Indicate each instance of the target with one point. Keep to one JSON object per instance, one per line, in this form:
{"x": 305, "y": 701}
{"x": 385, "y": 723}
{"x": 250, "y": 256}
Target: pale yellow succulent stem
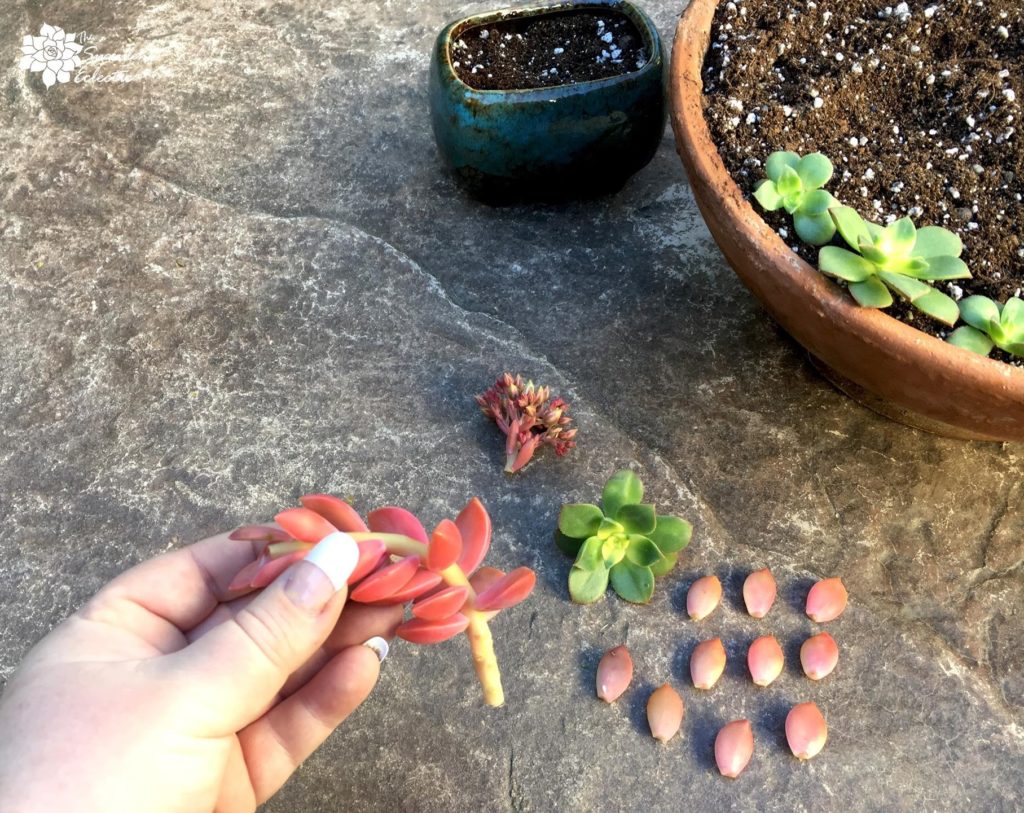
{"x": 481, "y": 643}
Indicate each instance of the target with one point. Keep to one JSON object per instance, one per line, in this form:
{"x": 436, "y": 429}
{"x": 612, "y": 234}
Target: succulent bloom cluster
{"x": 529, "y": 417}
{"x": 806, "y": 729}
{"x": 439, "y": 573}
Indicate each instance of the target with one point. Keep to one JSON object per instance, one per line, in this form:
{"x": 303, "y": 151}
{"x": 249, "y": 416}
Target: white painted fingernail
{"x": 336, "y": 555}
{"x": 379, "y": 646}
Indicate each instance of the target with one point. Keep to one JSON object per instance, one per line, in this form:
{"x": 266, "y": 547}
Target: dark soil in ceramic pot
{"x": 888, "y": 365}
{"x": 553, "y": 101}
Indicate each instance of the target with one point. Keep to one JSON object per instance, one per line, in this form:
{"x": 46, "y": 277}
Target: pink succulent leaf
{"x": 258, "y": 533}
{"x": 391, "y": 520}
{"x": 304, "y": 524}
{"x": 474, "y": 524}
{"x": 445, "y": 545}
{"x": 422, "y": 582}
{"x": 275, "y": 567}
{"x": 419, "y": 631}
{"x": 386, "y": 581}
{"x": 440, "y": 604}
{"x": 371, "y": 552}
{"x": 337, "y": 512}
{"x": 482, "y": 580}
{"x": 507, "y": 591}
{"x": 243, "y": 579}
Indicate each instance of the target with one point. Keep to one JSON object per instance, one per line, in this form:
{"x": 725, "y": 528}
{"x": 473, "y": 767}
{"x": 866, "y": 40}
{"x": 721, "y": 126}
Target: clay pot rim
{"x": 694, "y": 137}
{"x": 652, "y": 41}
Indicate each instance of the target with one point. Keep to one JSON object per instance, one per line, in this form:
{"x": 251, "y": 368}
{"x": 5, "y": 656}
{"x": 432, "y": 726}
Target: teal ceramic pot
{"x": 571, "y": 140}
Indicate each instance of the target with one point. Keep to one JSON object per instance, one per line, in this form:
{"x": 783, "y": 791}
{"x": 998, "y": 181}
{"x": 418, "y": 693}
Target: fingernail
{"x": 314, "y": 581}
{"x": 379, "y": 646}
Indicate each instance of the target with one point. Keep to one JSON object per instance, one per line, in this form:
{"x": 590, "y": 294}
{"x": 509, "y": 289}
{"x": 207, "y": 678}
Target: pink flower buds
{"x": 734, "y": 746}
{"x": 765, "y": 660}
{"x": 759, "y": 592}
{"x": 806, "y": 730}
{"x": 665, "y": 712}
{"x": 707, "y": 663}
{"x": 704, "y": 595}
{"x": 827, "y": 600}
{"x": 819, "y": 655}
{"x": 614, "y": 673}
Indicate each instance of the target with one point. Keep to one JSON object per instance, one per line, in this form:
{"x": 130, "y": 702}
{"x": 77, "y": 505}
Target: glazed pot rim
{"x": 935, "y": 363}
{"x": 652, "y": 41}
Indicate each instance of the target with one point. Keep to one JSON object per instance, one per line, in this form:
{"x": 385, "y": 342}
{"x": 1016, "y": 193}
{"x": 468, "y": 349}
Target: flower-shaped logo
{"x": 53, "y": 52}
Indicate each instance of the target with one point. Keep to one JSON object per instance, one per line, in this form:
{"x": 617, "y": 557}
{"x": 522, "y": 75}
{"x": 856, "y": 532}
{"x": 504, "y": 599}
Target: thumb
{"x": 231, "y": 674}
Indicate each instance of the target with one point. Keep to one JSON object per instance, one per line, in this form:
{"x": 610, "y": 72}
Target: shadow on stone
{"x": 704, "y": 729}
{"x": 794, "y": 594}
{"x": 587, "y": 660}
{"x": 769, "y": 721}
{"x": 637, "y": 707}
{"x": 791, "y": 649}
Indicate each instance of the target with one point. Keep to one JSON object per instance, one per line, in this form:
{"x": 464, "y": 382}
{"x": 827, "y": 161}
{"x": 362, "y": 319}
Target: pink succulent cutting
{"x": 528, "y": 417}
{"x": 399, "y": 562}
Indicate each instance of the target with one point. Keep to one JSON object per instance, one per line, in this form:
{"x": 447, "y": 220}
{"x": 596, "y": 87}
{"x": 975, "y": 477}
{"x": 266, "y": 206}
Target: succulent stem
{"x": 479, "y": 633}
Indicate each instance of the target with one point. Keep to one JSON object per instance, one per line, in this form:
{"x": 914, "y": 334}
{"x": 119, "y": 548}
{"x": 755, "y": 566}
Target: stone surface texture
{"x": 240, "y": 275}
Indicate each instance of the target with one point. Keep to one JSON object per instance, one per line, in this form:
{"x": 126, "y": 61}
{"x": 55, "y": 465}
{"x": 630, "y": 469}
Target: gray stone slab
{"x": 241, "y": 275}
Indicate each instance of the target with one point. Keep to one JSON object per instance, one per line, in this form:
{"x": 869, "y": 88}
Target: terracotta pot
{"x": 882, "y": 362}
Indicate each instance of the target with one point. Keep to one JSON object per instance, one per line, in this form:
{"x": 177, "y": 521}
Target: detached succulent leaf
{"x": 634, "y": 583}
{"x": 580, "y": 520}
{"x": 622, "y": 488}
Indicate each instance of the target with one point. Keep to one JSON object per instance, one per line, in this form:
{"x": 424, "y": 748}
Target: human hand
{"x": 166, "y": 693}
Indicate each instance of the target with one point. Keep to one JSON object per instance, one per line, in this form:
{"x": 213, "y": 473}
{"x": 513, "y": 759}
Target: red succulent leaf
{"x": 243, "y": 579}
{"x": 258, "y": 533}
{"x": 391, "y": 520}
{"x": 445, "y": 545}
{"x": 419, "y": 584}
{"x": 420, "y": 631}
{"x": 371, "y": 552}
{"x": 386, "y": 581}
{"x": 507, "y": 591}
{"x": 441, "y": 604}
{"x": 483, "y": 579}
{"x": 275, "y": 567}
{"x": 474, "y": 523}
{"x": 304, "y": 524}
{"x": 337, "y": 512}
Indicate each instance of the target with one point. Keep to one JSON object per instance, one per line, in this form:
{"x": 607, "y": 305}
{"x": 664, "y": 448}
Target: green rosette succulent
{"x": 795, "y": 184}
{"x": 898, "y": 257}
{"x": 990, "y": 324}
{"x": 623, "y": 542}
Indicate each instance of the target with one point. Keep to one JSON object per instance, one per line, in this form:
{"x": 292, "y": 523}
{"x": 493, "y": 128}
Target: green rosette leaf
{"x": 580, "y": 520}
{"x": 642, "y": 551}
{"x": 664, "y": 566}
{"x": 671, "y": 534}
{"x": 970, "y": 338}
{"x": 591, "y": 555}
{"x": 637, "y": 519}
{"x": 632, "y": 582}
{"x": 566, "y": 544}
{"x": 622, "y": 488}
{"x": 587, "y": 586}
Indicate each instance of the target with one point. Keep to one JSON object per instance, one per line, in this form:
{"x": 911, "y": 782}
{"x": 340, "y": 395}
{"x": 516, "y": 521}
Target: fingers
{"x": 277, "y": 743}
{"x": 172, "y": 593}
{"x": 229, "y": 675}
